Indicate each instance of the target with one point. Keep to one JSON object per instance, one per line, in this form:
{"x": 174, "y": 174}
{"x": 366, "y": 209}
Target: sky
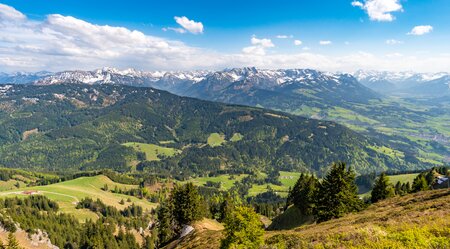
{"x": 329, "y": 35}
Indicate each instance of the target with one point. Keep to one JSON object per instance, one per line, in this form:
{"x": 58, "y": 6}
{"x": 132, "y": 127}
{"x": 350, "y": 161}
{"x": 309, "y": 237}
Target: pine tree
{"x": 165, "y": 223}
{"x": 338, "y": 194}
{"x": 420, "y": 184}
{"x": 304, "y": 194}
{"x": 399, "y": 188}
{"x": 382, "y": 189}
{"x": 243, "y": 229}
{"x": 12, "y": 242}
{"x": 407, "y": 188}
{"x": 187, "y": 204}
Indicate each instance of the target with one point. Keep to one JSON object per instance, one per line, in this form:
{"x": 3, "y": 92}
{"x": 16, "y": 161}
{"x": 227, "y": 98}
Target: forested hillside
{"x": 76, "y": 126}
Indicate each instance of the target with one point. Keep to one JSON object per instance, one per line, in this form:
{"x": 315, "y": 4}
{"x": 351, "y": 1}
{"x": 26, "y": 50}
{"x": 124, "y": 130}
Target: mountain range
{"x": 408, "y": 124}
{"x": 408, "y": 84}
{"x": 397, "y": 83}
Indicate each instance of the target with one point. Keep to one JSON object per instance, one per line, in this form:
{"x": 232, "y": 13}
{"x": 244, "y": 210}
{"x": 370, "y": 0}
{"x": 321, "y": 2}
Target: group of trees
{"x": 188, "y": 204}
{"x": 63, "y": 230}
{"x": 183, "y": 207}
{"x": 333, "y": 197}
{"x": 383, "y": 189}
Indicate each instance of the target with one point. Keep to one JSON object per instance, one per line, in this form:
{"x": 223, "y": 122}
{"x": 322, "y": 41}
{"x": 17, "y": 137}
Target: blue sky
{"x": 335, "y": 35}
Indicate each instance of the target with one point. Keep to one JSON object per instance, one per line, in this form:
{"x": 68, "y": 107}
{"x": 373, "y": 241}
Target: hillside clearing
{"x": 68, "y": 193}
{"x": 404, "y": 178}
{"x": 153, "y": 152}
{"x": 216, "y": 139}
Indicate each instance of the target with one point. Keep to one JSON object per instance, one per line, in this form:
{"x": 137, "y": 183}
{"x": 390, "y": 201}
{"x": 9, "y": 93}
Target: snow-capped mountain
{"x": 127, "y": 77}
{"x": 248, "y": 85}
{"x": 404, "y": 83}
{"x": 22, "y": 77}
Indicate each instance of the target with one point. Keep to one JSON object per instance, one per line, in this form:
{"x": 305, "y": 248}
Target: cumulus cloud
{"x": 259, "y": 46}
{"x": 190, "y": 25}
{"x": 8, "y": 13}
{"x": 393, "y": 42}
{"x": 66, "y": 43}
{"x": 324, "y": 43}
{"x": 62, "y": 42}
{"x": 421, "y": 30}
{"x": 379, "y": 10}
{"x": 298, "y": 42}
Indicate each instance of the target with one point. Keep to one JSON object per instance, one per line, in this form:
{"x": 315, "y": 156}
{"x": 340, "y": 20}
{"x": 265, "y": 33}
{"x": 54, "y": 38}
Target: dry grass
{"x": 24, "y": 241}
{"x": 419, "y": 220}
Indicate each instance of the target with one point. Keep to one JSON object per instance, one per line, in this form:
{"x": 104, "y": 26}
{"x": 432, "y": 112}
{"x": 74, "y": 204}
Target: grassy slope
{"x": 216, "y": 139}
{"x": 287, "y": 179}
{"x": 236, "y": 137}
{"x": 68, "y": 193}
{"x": 403, "y": 178}
{"x": 225, "y": 180}
{"x": 419, "y": 220}
{"x": 152, "y": 151}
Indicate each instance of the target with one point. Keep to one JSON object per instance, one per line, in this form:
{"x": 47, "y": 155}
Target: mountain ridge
{"x": 83, "y": 127}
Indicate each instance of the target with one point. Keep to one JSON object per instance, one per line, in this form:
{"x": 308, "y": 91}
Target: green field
{"x": 68, "y": 193}
{"x": 403, "y": 178}
{"x": 227, "y": 181}
{"x": 388, "y": 151}
{"x": 288, "y": 179}
{"x": 216, "y": 139}
{"x": 258, "y": 189}
{"x": 236, "y": 137}
{"x": 153, "y": 151}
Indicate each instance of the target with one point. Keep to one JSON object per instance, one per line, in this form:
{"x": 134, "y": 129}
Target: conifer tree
{"x": 419, "y": 184}
{"x": 399, "y": 188}
{"x": 12, "y": 242}
{"x": 304, "y": 193}
{"x": 338, "y": 193}
{"x": 382, "y": 189}
{"x": 407, "y": 188}
{"x": 187, "y": 204}
{"x": 165, "y": 224}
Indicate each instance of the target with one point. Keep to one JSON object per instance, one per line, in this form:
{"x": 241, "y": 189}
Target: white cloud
{"x": 66, "y": 43}
{"x": 190, "y": 25}
{"x": 379, "y": 10}
{"x": 284, "y": 36}
{"x": 8, "y": 13}
{"x": 259, "y": 46}
{"x": 393, "y": 42}
{"x": 265, "y": 43}
{"x": 421, "y": 30}
{"x": 357, "y": 4}
{"x": 298, "y": 42}
{"x": 306, "y": 48}
{"x": 324, "y": 43}
{"x": 63, "y": 42}
{"x": 177, "y": 30}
